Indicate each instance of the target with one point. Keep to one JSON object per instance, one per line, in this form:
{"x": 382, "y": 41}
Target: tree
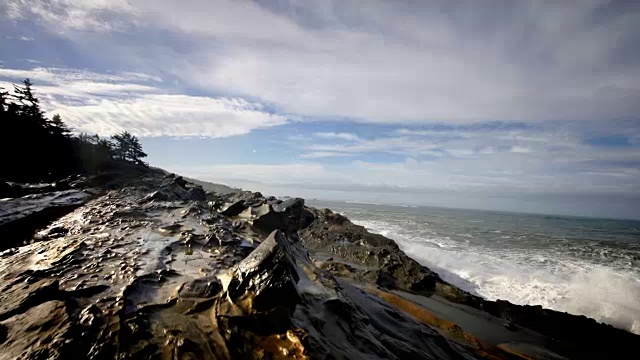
{"x": 127, "y": 147}
{"x": 57, "y": 127}
{"x": 4, "y": 96}
{"x": 36, "y": 148}
{"x": 29, "y": 104}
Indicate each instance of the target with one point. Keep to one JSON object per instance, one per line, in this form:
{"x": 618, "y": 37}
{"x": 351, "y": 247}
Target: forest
{"x": 36, "y": 148}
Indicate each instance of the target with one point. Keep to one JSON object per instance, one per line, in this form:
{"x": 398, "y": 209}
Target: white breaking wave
{"x": 532, "y": 277}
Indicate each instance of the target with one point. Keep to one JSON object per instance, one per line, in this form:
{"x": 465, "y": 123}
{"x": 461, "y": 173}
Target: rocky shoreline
{"x": 150, "y": 266}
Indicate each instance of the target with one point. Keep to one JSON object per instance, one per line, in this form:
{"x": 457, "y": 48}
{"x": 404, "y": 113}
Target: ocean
{"x": 582, "y": 266}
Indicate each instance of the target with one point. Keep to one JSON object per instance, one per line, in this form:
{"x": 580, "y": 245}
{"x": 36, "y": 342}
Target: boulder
{"x": 288, "y": 216}
{"x": 266, "y": 279}
{"x": 380, "y": 256}
{"x": 177, "y": 190}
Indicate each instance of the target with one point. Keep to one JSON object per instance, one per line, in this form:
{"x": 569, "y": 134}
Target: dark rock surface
{"x": 152, "y": 267}
{"x": 380, "y": 258}
{"x": 350, "y": 251}
{"x": 21, "y": 216}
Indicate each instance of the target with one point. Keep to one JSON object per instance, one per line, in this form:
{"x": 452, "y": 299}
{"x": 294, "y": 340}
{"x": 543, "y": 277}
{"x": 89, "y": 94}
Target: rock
{"x": 149, "y": 270}
{"x": 233, "y": 209}
{"x": 288, "y": 216}
{"x": 23, "y": 293}
{"x": 205, "y": 287}
{"x": 180, "y": 181}
{"x": 196, "y": 193}
{"x": 390, "y": 267}
{"x": 8, "y": 190}
{"x": 88, "y": 315}
{"x": 250, "y": 198}
{"x": 267, "y": 278}
{"x": 41, "y": 332}
{"x": 20, "y": 218}
{"x": 177, "y": 190}
{"x": 262, "y": 295}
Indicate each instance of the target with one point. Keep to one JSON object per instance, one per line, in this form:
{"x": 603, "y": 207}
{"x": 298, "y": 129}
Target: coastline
{"x": 258, "y": 275}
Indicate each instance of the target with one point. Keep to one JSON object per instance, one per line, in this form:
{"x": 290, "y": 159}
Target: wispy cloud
{"x": 89, "y": 15}
{"x": 338, "y": 136}
{"x": 105, "y": 104}
{"x": 169, "y": 115}
{"x": 394, "y": 62}
{"x": 520, "y": 149}
{"x": 19, "y": 38}
{"x": 322, "y": 154}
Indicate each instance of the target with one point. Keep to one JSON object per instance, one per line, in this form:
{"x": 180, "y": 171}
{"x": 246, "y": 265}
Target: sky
{"x": 529, "y": 106}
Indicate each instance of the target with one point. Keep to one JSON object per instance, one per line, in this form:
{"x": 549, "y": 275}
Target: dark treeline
{"x": 35, "y": 148}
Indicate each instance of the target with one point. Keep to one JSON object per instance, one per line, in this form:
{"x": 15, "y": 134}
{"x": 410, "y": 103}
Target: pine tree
{"x": 57, "y": 127}
{"x": 4, "y": 97}
{"x": 35, "y": 148}
{"x": 127, "y": 147}
{"x": 29, "y": 103}
{"x": 136, "y": 153}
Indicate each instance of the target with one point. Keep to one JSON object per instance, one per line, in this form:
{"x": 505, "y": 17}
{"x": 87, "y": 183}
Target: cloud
{"x": 172, "y": 115}
{"x": 90, "y": 15}
{"x": 550, "y": 156}
{"x": 19, "y": 38}
{"x": 263, "y": 173}
{"x": 421, "y": 177}
{"x": 520, "y": 149}
{"x": 321, "y": 154}
{"x": 108, "y": 103}
{"x": 66, "y": 77}
{"x": 338, "y": 136}
{"x": 393, "y": 62}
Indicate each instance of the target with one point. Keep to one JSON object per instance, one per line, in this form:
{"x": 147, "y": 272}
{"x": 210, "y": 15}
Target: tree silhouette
{"x": 127, "y": 147}
{"x": 57, "y": 126}
{"x": 35, "y": 148}
{"x": 4, "y": 97}
{"x": 29, "y": 104}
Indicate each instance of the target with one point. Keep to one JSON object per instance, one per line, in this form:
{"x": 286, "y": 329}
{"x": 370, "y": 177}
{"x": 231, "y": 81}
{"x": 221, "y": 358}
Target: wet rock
{"x": 249, "y": 198}
{"x": 288, "y": 216}
{"x": 205, "y": 287}
{"x": 196, "y": 193}
{"x": 234, "y": 208}
{"x": 256, "y": 318}
{"x": 267, "y": 278}
{"x": 20, "y": 218}
{"x": 22, "y": 293}
{"x": 352, "y": 324}
{"x": 389, "y": 266}
{"x": 177, "y": 190}
{"x": 41, "y": 332}
{"x": 88, "y": 315}
{"x": 171, "y": 229}
{"x": 52, "y": 232}
{"x": 147, "y": 270}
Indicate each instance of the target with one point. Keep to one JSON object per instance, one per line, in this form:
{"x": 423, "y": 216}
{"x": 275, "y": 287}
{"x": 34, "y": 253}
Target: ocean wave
{"x": 547, "y": 277}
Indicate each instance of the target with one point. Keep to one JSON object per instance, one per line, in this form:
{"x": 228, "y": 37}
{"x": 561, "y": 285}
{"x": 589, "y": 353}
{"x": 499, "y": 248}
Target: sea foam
{"x": 533, "y": 277}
